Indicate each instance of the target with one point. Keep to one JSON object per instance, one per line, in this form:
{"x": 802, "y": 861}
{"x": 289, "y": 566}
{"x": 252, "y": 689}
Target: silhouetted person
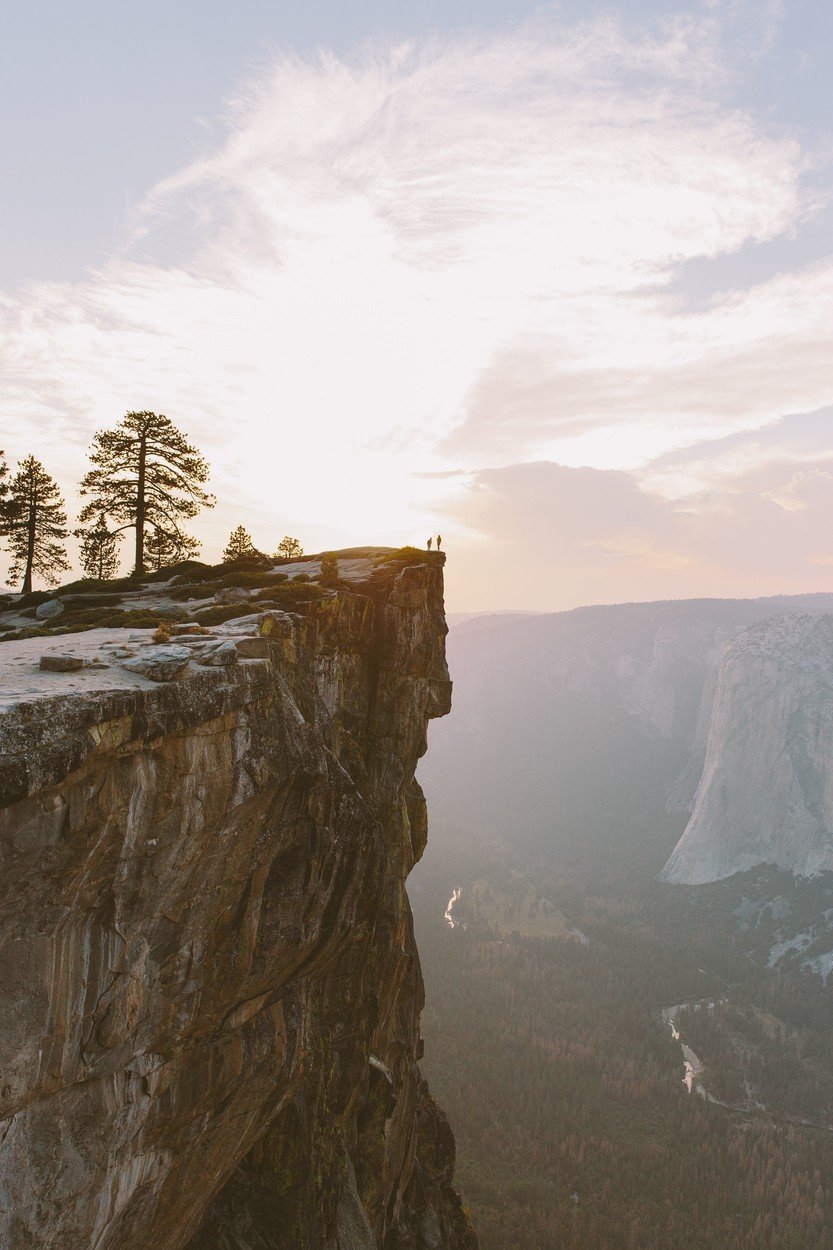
{"x": 430, "y": 540}
{"x": 439, "y": 542}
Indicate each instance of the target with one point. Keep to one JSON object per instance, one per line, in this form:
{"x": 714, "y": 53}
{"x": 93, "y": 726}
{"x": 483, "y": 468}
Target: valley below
{"x": 630, "y": 1060}
{"x": 655, "y": 1085}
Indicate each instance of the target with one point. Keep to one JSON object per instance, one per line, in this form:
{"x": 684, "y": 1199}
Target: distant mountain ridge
{"x": 584, "y": 733}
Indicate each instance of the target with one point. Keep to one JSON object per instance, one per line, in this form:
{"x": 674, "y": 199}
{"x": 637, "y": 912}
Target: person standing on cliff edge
{"x": 439, "y": 542}
{"x": 428, "y": 544}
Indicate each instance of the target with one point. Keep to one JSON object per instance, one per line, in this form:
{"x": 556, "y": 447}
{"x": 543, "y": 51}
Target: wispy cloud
{"x": 457, "y": 252}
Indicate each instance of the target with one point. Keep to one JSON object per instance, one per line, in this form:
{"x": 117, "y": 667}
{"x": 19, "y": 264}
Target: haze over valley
{"x": 597, "y": 762}
{"x": 416, "y": 625}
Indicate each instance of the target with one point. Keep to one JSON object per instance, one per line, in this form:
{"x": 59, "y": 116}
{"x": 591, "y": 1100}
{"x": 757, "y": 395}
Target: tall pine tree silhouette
{"x": 35, "y": 525}
{"x": 239, "y": 544}
{"x": 4, "y": 491}
{"x": 162, "y": 548}
{"x": 99, "y": 554}
{"x": 146, "y": 476}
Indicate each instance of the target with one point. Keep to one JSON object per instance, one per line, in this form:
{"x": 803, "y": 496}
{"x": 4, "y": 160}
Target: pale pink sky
{"x": 543, "y": 288}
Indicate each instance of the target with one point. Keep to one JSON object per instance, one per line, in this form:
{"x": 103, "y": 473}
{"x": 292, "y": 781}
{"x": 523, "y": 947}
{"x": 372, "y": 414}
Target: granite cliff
{"x": 582, "y": 736}
{"x": 766, "y": 793}
{"x": 210, "y": 987}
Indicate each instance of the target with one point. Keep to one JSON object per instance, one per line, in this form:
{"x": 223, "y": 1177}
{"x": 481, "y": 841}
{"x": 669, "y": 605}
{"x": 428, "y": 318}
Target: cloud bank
{"x": 558, "y": 535}
{"x": 460, "y": 254}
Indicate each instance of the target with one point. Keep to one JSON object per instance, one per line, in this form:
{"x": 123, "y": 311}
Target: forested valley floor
{"x": 563, "y": 1082}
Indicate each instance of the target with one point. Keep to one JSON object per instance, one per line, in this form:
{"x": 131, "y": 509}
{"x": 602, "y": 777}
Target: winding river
{"x": 693, "y": 1065}
{"x": 456, "y": 893}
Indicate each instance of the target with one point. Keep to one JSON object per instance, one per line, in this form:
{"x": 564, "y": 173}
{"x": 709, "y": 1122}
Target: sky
{"x": 553, "y": 280}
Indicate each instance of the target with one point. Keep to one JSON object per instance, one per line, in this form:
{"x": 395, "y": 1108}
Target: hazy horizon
{"x": 554, "y": 281}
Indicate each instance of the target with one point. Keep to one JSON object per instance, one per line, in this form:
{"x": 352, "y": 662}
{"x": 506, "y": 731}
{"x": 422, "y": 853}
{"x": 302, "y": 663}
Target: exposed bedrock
{"x": 766, "y": 794}
{"x": 210, "y": 988}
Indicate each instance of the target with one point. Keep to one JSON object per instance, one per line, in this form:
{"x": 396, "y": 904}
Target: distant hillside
{"x": 583, "y": 734}
{"x": 766, "y": 793}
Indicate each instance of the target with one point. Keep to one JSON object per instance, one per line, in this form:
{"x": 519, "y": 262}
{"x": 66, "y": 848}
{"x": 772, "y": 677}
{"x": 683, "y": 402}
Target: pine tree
{"x": 239, "y": 544}
{"x": 289, "y": 547}
{"x": 146, "y": 475}
{"x": 99, "y": 554}
{"x": 35, "y": 525}
{"x": 329, "y": 568}
{"x": 162, "y": 548}
{"x": 4, "y": 490}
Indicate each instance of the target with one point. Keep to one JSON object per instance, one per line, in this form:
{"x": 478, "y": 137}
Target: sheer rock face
{"x": 205, "y": 937}
{"x": 766, "y": 794}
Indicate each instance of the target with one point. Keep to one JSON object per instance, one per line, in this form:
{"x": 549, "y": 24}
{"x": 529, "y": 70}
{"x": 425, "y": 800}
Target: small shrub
{"x": 194, "y": 590}
{"x": 114, "y": 618}
{"x": 109, "y": 620}
{"x": 34, "y": 598}
{"x": 77, "y": 602}
{"x": 92, "y": 585}
{"x": 329, "y": 566}
{"x": 222, "y": 612}
{"x": 27, "y": 631}
{"x": 245, "y": 581}
{"x": 162, "y": 633}
{"x": 183, "y": 568}
{"x": 292, "y": 593}
{"x": 253, "y": 560}
{"x": 411, "y": 555}
{"x": 207, "y": 573}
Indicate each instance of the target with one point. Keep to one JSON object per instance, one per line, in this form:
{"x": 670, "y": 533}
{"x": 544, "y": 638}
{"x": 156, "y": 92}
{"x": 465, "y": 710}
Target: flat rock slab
{"x": 61, "y": 663}
{"x": 159, "y": 663}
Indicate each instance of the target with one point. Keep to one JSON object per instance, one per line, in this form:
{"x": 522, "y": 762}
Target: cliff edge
{"x": 211, "y": 991}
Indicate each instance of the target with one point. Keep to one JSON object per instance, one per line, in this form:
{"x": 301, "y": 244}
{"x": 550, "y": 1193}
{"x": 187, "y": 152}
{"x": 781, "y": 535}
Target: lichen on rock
{"x": 205, "y": 937}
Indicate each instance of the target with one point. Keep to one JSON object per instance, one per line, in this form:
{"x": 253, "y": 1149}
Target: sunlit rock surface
{"x": 766, "y": 794}
{"x": 210, "y": 988}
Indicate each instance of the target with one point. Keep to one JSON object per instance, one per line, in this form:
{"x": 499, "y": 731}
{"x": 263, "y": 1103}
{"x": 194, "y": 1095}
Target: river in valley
{"x": 453, "y": 923}
{"x": 693, "y": 1065}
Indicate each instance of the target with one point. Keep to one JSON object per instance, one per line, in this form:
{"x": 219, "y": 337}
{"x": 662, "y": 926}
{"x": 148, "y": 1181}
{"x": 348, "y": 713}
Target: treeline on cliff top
{"x": 145, "y": 477}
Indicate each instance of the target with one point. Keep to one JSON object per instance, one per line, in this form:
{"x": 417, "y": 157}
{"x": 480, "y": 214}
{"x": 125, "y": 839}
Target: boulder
{"x": 231, "y": 594}
{"x": 220, "y": 657}
{"x": 61, "y": 663}
{"x": 162, "y": 663}
{"x": 49, "y": 610}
